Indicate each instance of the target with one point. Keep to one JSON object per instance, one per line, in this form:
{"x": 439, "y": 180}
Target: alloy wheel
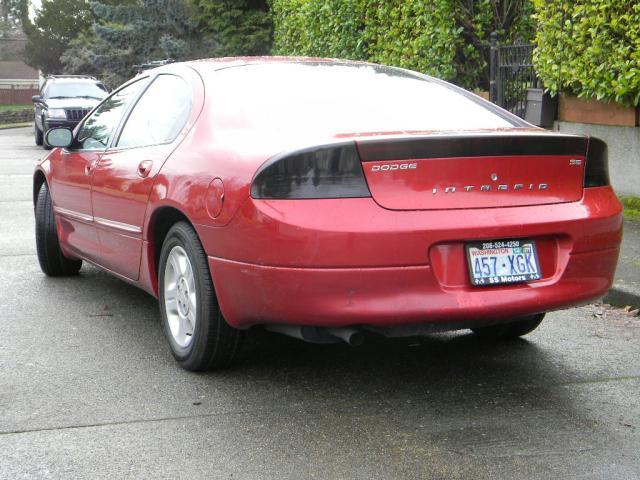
{"x": 180, "y": 296}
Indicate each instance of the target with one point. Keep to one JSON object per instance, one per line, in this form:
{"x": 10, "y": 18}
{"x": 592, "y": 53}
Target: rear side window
{"x": 159, "y": 115}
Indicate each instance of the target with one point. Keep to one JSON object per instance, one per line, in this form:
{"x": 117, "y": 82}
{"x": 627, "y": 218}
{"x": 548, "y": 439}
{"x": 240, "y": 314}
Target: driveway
{"x": 88, "y": 388}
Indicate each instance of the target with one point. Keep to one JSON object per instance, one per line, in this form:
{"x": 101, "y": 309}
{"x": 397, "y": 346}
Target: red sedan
{"x": 322, "y": 198}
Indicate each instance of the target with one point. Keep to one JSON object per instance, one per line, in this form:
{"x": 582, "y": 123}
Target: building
{"x": 18, "y": 82}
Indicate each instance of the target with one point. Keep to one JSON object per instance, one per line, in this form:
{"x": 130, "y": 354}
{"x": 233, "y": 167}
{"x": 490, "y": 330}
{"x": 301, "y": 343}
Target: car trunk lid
{"x": 474, "y": 171}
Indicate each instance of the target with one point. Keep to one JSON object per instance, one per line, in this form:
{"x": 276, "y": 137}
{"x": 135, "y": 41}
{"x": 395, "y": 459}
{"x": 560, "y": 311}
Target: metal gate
{"x": 511, "y": 74}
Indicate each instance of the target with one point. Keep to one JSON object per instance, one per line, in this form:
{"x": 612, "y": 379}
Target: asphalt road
{"x": 88, "y": 388}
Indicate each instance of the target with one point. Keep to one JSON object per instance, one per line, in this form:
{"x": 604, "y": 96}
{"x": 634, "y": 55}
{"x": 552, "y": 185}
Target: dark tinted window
{"x": 159, "y": 115}
{"x": 98, "y": 128}
{"x": 76, "y": 89}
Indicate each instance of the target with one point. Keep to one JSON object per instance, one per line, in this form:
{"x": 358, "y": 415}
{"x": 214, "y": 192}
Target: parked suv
{"x": 64, "y": 100}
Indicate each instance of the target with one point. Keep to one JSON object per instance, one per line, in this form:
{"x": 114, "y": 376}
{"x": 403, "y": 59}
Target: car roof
{"x": 207, "y": 65}
{"x": 72, "y": 79}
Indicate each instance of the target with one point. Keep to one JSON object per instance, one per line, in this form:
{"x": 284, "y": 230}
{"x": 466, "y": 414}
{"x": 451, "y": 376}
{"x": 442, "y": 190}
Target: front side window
{"x": 159, "y": 115}
{"x": 98, "y": 128}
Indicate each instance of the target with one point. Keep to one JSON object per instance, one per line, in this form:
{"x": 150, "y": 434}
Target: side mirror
{"x": 36, "y": 98}
{"x": 59, "y": 137}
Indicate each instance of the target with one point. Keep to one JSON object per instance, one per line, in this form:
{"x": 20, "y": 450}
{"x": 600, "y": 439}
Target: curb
{"x": 622, "y": 296}
{"x": 15, "y": 125}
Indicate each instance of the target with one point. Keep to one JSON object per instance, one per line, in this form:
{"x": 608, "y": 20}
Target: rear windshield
{"x": 337, "y": 98}
{"x": 76, "y": 89}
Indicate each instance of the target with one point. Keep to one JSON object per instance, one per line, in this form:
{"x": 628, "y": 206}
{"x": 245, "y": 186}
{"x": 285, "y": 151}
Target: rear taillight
{"x": 322, "y": 172}
{"x": 596, "y": 171}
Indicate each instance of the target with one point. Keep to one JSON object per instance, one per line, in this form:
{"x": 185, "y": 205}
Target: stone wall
{"x": 18, "y": 116}
{"x": 624, "y": 152}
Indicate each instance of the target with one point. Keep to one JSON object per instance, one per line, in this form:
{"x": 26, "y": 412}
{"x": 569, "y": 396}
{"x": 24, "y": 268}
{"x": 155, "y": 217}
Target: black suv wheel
{"x": 39, "y": 135}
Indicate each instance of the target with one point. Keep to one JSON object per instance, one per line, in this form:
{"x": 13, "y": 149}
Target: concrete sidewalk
{"x": 626, "y": 288}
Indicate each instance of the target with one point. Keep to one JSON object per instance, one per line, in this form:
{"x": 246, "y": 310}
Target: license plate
{"x": 497, "y": 262}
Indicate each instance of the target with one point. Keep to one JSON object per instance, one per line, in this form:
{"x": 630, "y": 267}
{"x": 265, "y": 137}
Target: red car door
{"x": 70, "y": 184}
{"x": 72, "y": 171}
{"x": 125, "y": 174}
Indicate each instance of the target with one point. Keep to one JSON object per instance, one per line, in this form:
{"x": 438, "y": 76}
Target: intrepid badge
{"x": 488, "y": 188}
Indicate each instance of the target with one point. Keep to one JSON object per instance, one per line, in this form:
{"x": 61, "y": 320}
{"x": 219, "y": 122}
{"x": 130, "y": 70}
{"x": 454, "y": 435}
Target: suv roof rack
{"x": 88, "y": 77}
{"x": 152, "y": 64}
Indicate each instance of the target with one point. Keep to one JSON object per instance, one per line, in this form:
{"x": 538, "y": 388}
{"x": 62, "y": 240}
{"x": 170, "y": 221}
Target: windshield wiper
{"x": 76, "y": 96}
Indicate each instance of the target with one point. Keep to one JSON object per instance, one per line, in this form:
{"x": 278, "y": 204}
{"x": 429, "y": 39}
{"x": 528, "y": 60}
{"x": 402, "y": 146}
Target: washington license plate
{"x": 497, "y": 262}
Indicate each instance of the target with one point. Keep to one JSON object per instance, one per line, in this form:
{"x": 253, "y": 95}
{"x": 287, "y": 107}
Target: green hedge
{"x": 394, "y": 32}
{"x": 422, "y": 36}
{"x": 328, "y": 28}
{"x": 445, "y": 38}
{"x": 590, "y": 48}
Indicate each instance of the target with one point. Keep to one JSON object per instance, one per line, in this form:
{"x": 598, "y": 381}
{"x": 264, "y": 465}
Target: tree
{"x": 12, "y": 38}
{"x": 237, "y": 27}
{"x": 56, "y": 24}
{"x": 136, "y": 32}
{"x": 511, "y": 19}
{"x": 11, "y": 13}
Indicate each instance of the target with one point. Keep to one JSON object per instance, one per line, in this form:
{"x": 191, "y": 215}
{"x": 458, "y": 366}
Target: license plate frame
{"x": 501, "y": 249}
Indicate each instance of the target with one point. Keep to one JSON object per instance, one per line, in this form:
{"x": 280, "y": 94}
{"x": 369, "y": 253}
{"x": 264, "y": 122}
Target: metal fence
{"x": 511, "y": 74}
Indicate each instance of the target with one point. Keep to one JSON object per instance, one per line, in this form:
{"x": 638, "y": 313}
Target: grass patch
{"x": 15, "y": 108}
{"x": 631, "y": 208}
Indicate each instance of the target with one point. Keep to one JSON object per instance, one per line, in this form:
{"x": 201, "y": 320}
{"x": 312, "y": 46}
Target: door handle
{"x": 88, "y": 168}
{"x": 144, "y": 168}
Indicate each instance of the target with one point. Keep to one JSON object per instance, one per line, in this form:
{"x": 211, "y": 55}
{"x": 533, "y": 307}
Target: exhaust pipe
{"x": 351, "y": 336}
{"x": 320, "y": 335}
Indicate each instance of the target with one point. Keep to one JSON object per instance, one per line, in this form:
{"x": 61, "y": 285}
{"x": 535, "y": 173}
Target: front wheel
{"x": 512, "y": 329}
{"x": 45, "y": 129}
{"x": 52, "y": 260}
{"x": 39, "y": 136}
{"x": 198, "y": 335}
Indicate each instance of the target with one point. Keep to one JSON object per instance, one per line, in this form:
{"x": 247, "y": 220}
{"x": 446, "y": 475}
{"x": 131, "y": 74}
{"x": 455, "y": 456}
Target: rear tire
{"x": 198, "y": 335}
{"x": 52, "y": 261}
{"x": 39, "y": 136}
{"x": 513, "y": 329}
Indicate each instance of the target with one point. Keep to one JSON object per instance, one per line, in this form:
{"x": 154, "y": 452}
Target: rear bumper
{"x": 387, "y": 268}
{"x": 253, "y": 294}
